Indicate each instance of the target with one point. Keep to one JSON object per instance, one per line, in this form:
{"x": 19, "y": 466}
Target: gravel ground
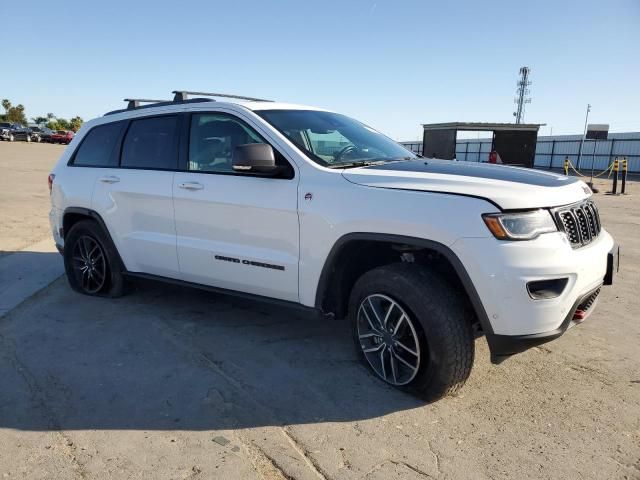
{"x": 171, "y": 383}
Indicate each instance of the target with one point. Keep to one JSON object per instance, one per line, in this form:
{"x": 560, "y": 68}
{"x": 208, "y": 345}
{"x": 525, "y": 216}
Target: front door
{"x": 235, "y": 231}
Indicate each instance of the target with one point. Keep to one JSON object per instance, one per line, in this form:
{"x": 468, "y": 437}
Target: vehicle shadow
{"x": 167, "y": 357}
{"x": 24, "y": 272}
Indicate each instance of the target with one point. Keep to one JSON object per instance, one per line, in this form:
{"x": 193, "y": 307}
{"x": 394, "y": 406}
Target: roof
{"x": 481, "y": 126}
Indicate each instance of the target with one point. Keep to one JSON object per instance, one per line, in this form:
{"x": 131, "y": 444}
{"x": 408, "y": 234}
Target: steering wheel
{"x": 348, "y": 149}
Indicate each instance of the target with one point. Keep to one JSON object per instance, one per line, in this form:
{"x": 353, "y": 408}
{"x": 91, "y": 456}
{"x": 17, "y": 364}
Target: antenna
{"x": 522, "y": 93}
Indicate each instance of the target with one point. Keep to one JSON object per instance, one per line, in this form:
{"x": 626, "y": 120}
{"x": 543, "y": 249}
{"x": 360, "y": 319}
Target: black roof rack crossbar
{"x": 161, "y": 103}
{"x": 182, "y": 95}
{"x": 135, "y": 102}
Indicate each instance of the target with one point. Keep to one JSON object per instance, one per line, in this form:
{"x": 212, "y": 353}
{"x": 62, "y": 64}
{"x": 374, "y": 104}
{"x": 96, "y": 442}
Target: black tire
{"x": 113, "y": 282}
{"x": 441, "y": 326}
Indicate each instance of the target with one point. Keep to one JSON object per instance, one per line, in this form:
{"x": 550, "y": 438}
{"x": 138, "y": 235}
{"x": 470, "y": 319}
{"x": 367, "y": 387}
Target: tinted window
{"x": 150, "y": 143}
{"x": 212, "y": 141}
{"x": 97, "y": 148}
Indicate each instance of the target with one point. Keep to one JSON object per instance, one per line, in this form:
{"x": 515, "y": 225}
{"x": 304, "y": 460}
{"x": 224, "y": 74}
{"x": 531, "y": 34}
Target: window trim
{"x": 186, "y": 138}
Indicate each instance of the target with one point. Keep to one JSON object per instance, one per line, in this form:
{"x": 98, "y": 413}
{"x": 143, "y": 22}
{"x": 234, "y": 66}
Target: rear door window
{"x": 150, "y": 143}
{"x": 98, "y": 146}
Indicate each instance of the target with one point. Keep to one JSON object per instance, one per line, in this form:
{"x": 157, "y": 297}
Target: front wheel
{"x": 91, "y": 261}
{"x": 412, "y": 329}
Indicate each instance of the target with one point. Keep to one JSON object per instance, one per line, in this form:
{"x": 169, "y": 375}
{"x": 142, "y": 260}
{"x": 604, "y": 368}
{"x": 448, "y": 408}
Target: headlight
{"x": 519, "y": 226}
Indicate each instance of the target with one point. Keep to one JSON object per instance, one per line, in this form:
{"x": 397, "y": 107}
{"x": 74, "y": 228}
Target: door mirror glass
{"x": 255, "y": 158}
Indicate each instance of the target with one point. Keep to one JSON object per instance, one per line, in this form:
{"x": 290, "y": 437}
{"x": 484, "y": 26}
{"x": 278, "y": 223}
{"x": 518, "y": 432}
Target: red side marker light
{"x": 579, "y": 316}
{"x": 50, "y": 180}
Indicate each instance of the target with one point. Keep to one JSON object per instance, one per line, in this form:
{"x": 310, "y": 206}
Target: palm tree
{"x": 6, "y": 104}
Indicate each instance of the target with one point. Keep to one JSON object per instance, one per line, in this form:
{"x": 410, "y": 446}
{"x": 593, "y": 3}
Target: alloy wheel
{"x": 388, "y": 339}
{"x": 89, "y": 264}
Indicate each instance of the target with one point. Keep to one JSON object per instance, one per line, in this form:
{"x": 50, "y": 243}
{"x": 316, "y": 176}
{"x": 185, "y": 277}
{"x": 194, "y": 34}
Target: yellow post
{"x": 566, "y": 165}
{"x": 624, "y": 175}
{"x": 614, "y": 190}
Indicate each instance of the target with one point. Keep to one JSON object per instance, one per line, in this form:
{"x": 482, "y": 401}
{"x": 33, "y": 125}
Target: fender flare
{"x": 445, "y": 251}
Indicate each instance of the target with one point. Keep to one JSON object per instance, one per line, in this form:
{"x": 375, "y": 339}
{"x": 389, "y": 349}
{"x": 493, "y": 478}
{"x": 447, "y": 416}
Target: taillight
{"x": 50, "y": 181}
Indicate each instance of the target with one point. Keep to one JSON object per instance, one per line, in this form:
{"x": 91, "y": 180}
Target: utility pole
{"x": 586, "y": 119}
{"x": 522, "y": 93}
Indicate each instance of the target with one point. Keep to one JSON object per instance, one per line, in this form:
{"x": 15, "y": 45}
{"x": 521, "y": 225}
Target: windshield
{"x": 333, "y": 140}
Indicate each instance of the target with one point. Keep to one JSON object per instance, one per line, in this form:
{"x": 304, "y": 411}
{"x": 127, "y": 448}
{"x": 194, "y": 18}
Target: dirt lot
{"x": 24, "y": 195}
{"x": 169, "y": 383}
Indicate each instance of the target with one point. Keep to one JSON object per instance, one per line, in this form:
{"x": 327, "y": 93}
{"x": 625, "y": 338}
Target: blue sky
{"x": 392, "y": 64}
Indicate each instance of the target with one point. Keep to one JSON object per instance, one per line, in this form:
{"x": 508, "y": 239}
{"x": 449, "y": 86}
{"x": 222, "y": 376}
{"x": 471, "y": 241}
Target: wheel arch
{"x": 73, "y": 215}
{"x": 339, "y": 273}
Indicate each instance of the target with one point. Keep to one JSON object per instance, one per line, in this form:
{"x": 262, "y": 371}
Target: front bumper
{"x": 500, "y": 272}
{"x": 503, "y": 346}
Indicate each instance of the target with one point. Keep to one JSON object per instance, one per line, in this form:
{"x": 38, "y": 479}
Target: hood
{"x": 510, "y": 188}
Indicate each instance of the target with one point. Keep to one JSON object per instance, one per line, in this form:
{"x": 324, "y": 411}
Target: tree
{"x": 39, "y": 120}
{"x": 15, "y": 114}
{"x": 76, "y": 123}
{"x": 6, "y": 104}
{"x": 59, "y": 124}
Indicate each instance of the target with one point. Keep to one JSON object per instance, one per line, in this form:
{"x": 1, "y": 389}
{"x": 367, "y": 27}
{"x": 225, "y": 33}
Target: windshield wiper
{"x": 359, "y": 163}
{"x": 367, "y": 163}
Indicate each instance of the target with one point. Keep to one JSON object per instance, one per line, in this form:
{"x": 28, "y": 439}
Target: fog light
{"x": 546, "y": 289}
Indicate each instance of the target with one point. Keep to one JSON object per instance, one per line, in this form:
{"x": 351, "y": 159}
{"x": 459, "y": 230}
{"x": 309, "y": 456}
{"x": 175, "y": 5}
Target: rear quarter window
{"x": 98, "y": 147}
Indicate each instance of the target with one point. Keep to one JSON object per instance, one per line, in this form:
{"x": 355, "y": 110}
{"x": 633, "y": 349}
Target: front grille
{"x": 581, "y": 223}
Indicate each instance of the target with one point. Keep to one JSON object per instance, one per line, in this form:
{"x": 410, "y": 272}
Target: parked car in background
{"x": 27, "y": 134}
{"x": 62, "y": 136}
{"x": 7, "y": 130}
{"x": 45, "y": 134}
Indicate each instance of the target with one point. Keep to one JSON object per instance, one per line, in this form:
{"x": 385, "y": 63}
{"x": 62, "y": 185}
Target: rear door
{"x": 135, "y": 200}
{"x": 234, "y": 230}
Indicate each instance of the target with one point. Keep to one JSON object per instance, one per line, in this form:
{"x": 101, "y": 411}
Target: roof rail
{"x": 182, "y": 95}
{"x": 135, "y": 102}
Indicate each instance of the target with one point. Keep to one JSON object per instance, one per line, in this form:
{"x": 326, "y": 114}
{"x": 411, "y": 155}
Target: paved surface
{"x": 175, "y": 383}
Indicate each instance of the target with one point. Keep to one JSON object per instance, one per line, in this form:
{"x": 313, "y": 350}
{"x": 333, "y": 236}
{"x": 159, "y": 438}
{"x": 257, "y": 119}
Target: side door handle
{"x": 109, "y": 179}
{"x": 191, "y": 186}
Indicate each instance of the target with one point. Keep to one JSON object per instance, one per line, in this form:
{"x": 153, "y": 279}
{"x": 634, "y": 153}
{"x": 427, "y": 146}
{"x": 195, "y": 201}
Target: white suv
{"x": 311, "y": 208}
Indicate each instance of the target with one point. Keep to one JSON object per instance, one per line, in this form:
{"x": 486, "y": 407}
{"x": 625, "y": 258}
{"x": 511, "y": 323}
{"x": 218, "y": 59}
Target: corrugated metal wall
{"x": 551, "y": 151}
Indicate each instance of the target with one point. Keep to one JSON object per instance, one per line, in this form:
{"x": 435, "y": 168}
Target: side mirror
{"x": 255, "y": 158}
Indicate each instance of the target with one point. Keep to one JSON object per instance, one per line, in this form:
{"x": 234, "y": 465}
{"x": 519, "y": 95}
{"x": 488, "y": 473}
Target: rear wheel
{"x": 91, "y": 261}
{"x": 412, "y": 330}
